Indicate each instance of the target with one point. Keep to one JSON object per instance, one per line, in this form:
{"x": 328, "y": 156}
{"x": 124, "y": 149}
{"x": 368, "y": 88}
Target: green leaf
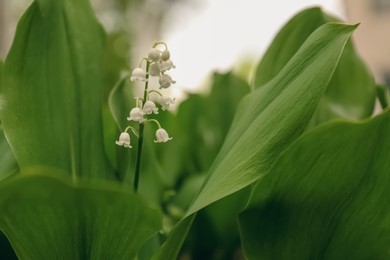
{"x": 327, "y": 197}
{"x": 1, "y": 70}
{"x": 351, "y": 92}
{"x": 119, "y": 102}
{"x": 199, "y": 129}
{"x": 8, "y": 164}
{"x": 119, "y": 105}
{"x": 383, "y": 94}
{"x": 201, "y": 126}
{"x": 46, "y": 216}
{"x": 273, "y": 116}
{"x": 170, "y": 249}
{"x": 286, "y": 43}
{"x": 51, "y": 89}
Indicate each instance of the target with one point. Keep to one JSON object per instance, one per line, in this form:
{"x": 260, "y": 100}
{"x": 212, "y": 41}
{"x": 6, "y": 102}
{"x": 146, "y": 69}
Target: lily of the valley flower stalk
{"x": 158, "y": 63}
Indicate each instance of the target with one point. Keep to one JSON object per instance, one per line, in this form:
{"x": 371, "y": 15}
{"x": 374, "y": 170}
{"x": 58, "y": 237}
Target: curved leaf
{"x": 46, "y": 216}
{"x": 51, "y": 89}
{"x": 201, "y": 125}
{"x": 351, "y": 92}
{"x": 118, "y": 102}
{"x": 271, "y": 117}
{"x": 286, "y": 43}
{"x": 327, "y": 197}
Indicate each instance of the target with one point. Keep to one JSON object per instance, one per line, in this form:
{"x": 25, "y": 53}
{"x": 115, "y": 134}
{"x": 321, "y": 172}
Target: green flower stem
{"x": 141, "y": 136}
{"x": 133, "y": 130}
{"x": 159, "y": 43}
{"x": 155, "y": 91}
{"x": 155, "y": 121}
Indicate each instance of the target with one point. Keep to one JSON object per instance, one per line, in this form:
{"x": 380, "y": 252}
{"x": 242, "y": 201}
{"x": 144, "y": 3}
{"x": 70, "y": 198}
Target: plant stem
{"x": 141, "y": 136}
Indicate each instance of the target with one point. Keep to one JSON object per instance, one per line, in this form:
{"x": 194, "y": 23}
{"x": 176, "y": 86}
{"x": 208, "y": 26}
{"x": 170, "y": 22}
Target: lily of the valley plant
{"x": 290, "y": 165}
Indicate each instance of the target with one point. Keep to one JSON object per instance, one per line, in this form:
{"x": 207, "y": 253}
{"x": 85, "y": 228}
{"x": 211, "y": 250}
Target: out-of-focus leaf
{"x": 1, "y": 69}
{"x": 286, "y": 43}
{"x": 383, "y": 94}
{"x": 199, "y": 129}
{"x": 48, "y": 217}
{"x": 6, "y": 251}
{"x": 327, "y": 197}
{"x": 268, "y": 120}
{"x": 273, "y": 116}
{"x": 8, "y": 164}
{"x": 51, "y": 89}
{"x": 119, "y": 102}
{"x": 351, "y": 92}
{"x": 170, "y": 249}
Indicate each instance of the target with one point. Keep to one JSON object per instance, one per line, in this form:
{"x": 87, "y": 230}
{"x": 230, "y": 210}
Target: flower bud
{"x": 154, "y": 69}
{"x": 154, "y": 54}
{"x": 165, "y": 55}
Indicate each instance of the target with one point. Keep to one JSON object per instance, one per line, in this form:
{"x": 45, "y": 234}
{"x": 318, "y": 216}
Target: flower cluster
{"x": 158, "y": 63}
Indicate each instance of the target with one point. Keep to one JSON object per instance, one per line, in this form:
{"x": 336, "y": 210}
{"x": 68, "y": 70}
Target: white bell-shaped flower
{"x": 167, "y": 65}
{"x": 165, "y": 55}
{"x": 124, "y": 140}
{"x": 138, "y": 74}
{"x": 166, "y": 81}
{"x": 162, "y": 136}
{"x": 154, "y": 69}
{"x": 150, "y": 107}
{"x": 137, "y": 115}
{"x": 154, "y": 54}
{"x": 166, "y": 102}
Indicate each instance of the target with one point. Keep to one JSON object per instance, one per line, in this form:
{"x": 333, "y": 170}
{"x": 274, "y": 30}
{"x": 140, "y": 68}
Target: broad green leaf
{"x": 351, "y": 92}
{"x": 273, "y": 116}
{"x": 46, "y": 216}
{"x": 327, "y": 197}
{"x": 51, "y": 89}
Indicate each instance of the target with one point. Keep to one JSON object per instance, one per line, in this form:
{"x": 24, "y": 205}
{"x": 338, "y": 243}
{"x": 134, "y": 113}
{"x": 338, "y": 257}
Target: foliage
{"x": 306, "y": 187}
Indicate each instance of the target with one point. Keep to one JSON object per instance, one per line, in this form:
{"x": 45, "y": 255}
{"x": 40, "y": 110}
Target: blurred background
{"x": 206, "y": 35}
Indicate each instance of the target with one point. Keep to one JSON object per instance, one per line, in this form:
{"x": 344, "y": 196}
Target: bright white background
{"x": 216, "y": 34}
